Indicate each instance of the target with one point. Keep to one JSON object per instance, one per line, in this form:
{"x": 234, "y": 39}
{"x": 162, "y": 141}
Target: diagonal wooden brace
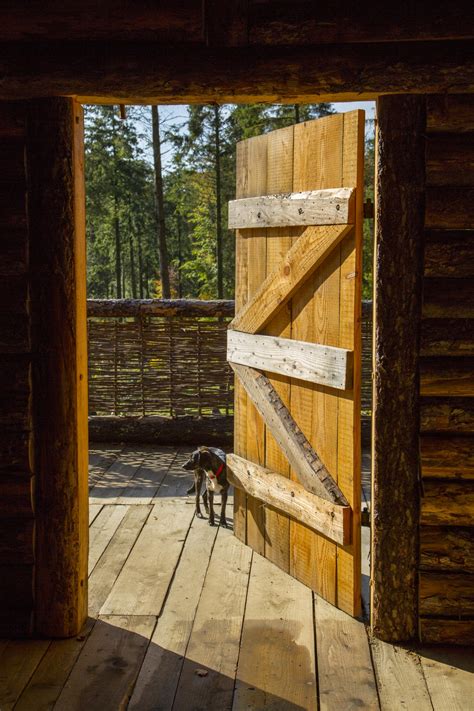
{"x": 307, "y": 465}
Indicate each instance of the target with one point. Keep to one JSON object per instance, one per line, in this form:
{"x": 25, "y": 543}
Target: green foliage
{"x": 368, "y": 243}
{"x": 198, "y": 182}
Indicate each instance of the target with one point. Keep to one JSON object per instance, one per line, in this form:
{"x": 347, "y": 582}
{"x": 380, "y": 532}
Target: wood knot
{"x": 286, "y": 270}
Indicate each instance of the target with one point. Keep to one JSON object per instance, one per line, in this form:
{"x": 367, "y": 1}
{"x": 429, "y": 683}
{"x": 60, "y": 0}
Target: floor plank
{"x": 276, "y": 665}
{"x": 158, "y": 679}
{"x": 100, "y": 460}
{"x": 149, "y": 477}
{"x": 108, "y": 568}
{"x": 108, "y": 665}
{"x": 177, "y": 481}
{"x": 144, "y": 580}
{"x": 113, "y": 482}
{"x": 94, "y": 511}
{"x": 449, "y": 674}
{"x": 18, "y": 662}
{"x": 345, "y": 673}
{"x": 46, "y": 684}
{"x": 102, "y": 530}
{"x": 400, "y": 679}
{"x": 207, "y": 679}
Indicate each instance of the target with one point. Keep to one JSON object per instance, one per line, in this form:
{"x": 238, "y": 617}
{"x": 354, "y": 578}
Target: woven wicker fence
{"x": 150, "y": 358}
{"x": 157, "y": 357}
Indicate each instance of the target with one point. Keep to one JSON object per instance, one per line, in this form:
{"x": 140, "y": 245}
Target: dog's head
{"x": 201, "y": 458}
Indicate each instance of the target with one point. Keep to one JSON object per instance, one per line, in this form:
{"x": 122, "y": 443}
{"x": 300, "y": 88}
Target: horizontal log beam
{"x": 447, "y": 548}
{"x": 447, "y": 376}
{"x": 447, "y": 337}
{"x": 447, "y": 503}
{"x": 449, "y": 253}
{"x": 313, "y": 207}
{"x": 311, "y": 362}
{"x": 159, "y": 307}
{"x": 439, "y": 414}
{"x": 433, "y": 631}
{"x": 216, "y": 431}
{"x": 447, "y": 457}
{"x": 448, "y": 298}
{"x": 147, "y": 72}
{"x": 446, "y": 594}
{"x": 306, "y": 463}
{"x": 450, "y": 159}
{"x": 449, "y": 208}
{"x": 308, "y": 252}
{"x": 450, "y": 114}
{"x": 291, "y": 498}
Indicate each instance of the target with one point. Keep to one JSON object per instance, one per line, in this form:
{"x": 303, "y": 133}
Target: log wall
{"x": 446, "y": 572}
{"x": 17, "y": 524}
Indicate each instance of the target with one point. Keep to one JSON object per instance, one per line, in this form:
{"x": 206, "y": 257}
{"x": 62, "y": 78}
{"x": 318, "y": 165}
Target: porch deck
{"x": 183, "y": 616}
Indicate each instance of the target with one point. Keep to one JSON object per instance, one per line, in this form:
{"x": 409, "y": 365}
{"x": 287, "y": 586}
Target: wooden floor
{"x": 183, "y": 616}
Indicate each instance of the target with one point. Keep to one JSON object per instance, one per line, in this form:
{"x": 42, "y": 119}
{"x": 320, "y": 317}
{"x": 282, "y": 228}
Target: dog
{"x": 209, "y": 463}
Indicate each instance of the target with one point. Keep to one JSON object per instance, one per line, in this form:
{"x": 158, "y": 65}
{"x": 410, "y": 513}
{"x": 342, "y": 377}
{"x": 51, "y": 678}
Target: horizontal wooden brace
{"x": 312, "y": 362}
{"x": 312, "y": 207}
{"x": 332, "y": 520}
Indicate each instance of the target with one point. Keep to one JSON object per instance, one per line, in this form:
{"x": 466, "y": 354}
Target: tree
{"x": 160, "y": 204}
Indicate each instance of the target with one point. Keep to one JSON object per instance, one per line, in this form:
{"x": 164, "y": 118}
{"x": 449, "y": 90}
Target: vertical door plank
{"x": 317, "y": 164}
{"x": 256, "y": 273}
{"x": 348, "y": 432}
{"x": 241, "y": 297}
{"x": 279, "y": 241}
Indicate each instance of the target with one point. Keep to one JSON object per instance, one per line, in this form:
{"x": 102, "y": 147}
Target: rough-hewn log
{"x": 447, "y": 376}
{"x": 16, "y": 540}
{"x": 449, "y": 208}
{"x": 450, "y": 159}
{"x": 59, "y": 341}
{"x": 449, "y": 254}
{"x": 15, "y": 392}
{"x": 147, "y": 72}
{"x": 14, "y": 333}
{"x": 447, "y": 456}
{"x": 17, "y": 495}
{"x": 439, "y": 414}
{"x": 448, "y": 503}
{"x": 290, "y": 497}
{"x": 399, "y": 270}
{"x": 14, "y": 251}
{"x": 163, "y": 430}
{"x": 447, "y": 337}
{"x": 159, "y": 307}
{"x": 452, "y": 114}
{"x": 433, "y": 631}
{"x": 446, "y": 594}
{"x": 234, "y": 22}
{"x": 448, "y": 298}
{"x": 16, "y": 451}
{"x": 447, "y": 548}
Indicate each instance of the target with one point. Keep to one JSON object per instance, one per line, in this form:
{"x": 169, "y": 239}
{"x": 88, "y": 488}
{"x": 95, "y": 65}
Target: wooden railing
{"x": 158, "y": 369}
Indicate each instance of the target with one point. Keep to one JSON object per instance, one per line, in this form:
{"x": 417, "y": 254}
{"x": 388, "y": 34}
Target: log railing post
{"x": 59, "y": 347}
{"x": 397, "y": 316}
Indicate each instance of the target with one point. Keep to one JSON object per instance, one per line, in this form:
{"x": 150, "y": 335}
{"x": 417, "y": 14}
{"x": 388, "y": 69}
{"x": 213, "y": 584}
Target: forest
{"x": 157, "y": 189}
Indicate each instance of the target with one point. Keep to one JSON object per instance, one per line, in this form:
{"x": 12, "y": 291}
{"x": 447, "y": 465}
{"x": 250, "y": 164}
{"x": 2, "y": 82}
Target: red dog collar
{"x": 218, "y": 472}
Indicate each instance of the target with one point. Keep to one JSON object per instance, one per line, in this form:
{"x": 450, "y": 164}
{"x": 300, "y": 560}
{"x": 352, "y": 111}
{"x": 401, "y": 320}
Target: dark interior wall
{"x": 16, "y": 437}
{"x": 446, "y": 562}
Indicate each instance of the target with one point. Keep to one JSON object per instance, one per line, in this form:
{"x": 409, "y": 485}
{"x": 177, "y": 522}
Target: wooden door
{"x": 296, "y": 461}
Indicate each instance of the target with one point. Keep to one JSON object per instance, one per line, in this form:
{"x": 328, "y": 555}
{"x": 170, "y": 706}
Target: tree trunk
{"x": 180, "y": 260}
{"x": 133, "y": 279}
{"x": 217, "y": 157}
{"x": 297, "y": 113}
{"x": 140, "y": 267}
{"x": 160, "y": 204}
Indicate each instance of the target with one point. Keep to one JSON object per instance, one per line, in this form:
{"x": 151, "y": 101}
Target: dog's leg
{"x": 197, "y": 486}
{"x": 223, "y": 520}
{"x": 211, "y": 507}
{"x": 192, "y": 488}
{"x": 204, "y": 498}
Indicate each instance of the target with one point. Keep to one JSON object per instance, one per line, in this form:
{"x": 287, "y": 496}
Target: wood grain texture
{"x": 311, "y": 362}
{"x": 449, "y": 548}
{"x": 445, "y": 297}
{"x": 450, "y": 159}
{"x": 312, "y": 207}
{"x": 399, "y": 676}
{"x": 57, "y": 247}
{"x": 275, "y": 631}
{"x": 447, "y": 503}
{"x": 447, "y": 456}
{"x": 454, "y": 415}
{"x": 447, "y": 208}
{"x": 305, "y": 461}
{"x": 302, "y": 260}
{"x": 447, "y": 337}
{"x": 398, "y": 288}
{"x": 439, "y": 631}
{"x": 289, "y": 497}
{"x": 449, "y": 253}
{"x": 446, "y": 376}
{"x": 446, "y": 594}
{"x": 450, "y": 114}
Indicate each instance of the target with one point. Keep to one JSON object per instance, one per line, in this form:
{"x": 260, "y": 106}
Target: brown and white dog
{"x": 209, "y": 463}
